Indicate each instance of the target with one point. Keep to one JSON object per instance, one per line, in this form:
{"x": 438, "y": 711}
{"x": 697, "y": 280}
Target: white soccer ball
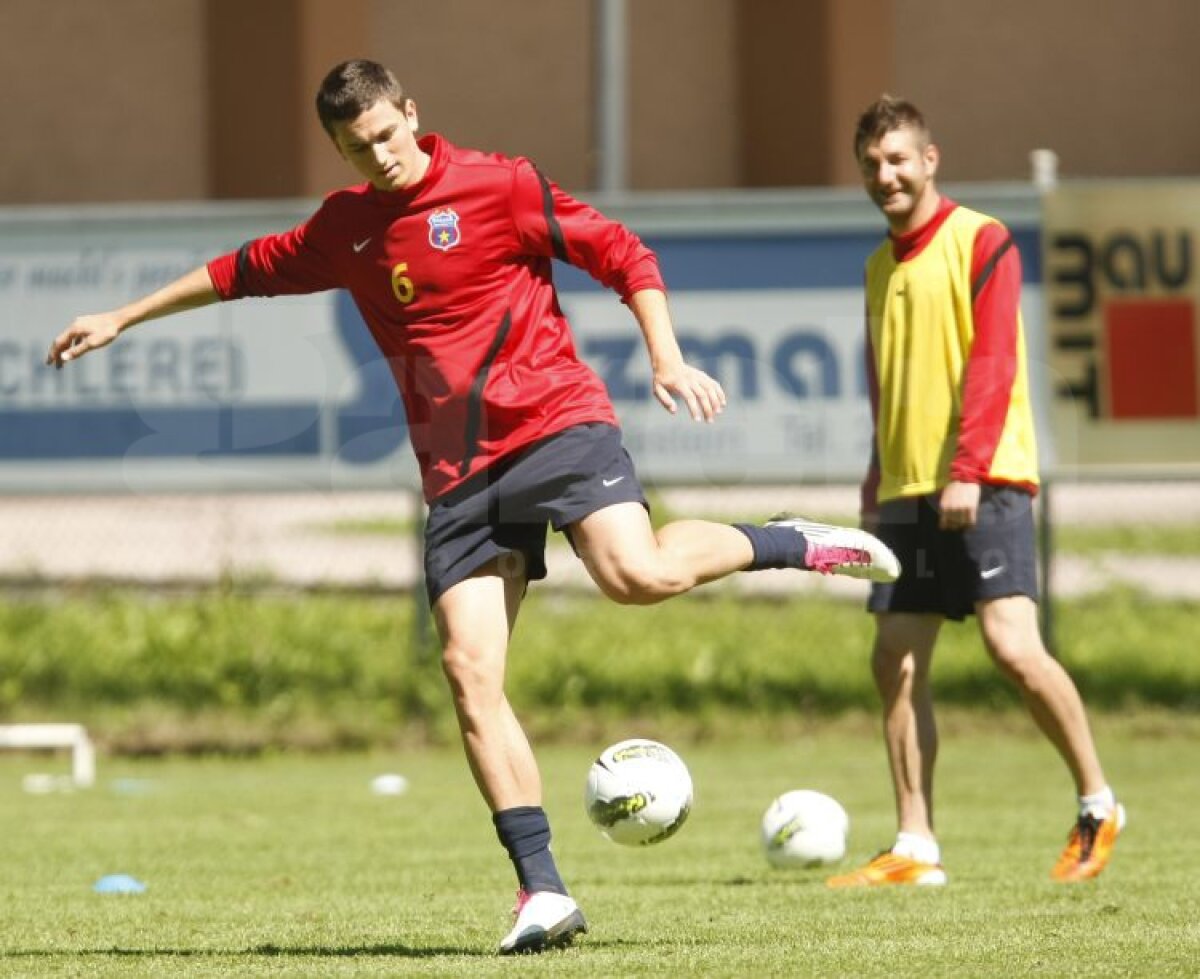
{"x": 803, "y": 828}
{"x": 638, "y": 792}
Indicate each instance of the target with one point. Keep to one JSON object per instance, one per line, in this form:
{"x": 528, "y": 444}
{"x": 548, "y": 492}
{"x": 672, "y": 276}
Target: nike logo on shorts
{"x": 991, "y": 572}
{"x": 358, "y": 246}
{"x": 611, "y": 482}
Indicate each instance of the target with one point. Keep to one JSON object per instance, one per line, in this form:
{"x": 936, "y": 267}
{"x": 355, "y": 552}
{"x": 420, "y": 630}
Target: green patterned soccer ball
{"x": 638, "y": 792}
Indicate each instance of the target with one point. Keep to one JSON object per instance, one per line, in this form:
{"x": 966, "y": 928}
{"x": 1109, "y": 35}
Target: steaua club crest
{"x": 443, "y": 229}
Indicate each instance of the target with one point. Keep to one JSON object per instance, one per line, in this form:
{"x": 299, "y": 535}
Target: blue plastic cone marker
{"x": 132, "y": 786}
{"x": 118, "y": 884}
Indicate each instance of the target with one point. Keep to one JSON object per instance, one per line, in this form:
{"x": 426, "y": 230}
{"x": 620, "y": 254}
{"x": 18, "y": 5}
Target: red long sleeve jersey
{"x": 453, "y": 277}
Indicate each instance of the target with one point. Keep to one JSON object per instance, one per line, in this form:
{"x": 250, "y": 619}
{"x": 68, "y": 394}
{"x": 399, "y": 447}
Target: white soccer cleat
{"x": 543, "y": 920}
{"x": 843, "y": 550}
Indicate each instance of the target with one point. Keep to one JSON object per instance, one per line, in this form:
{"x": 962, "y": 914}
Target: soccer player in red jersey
{"x": 447, "y": 253}
{"x": 950, "y": 488}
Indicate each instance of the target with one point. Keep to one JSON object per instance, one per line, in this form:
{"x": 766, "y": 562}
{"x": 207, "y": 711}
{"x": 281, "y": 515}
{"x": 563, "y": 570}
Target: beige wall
{"x": 806, "y": 69}
{"x": 182, "y": 99}
{"x": 332, "y": 33}
{"x": 263, "y": 72}
{"x": 683, "y": 98}
{"x": 860, "y": 35}
{"x": 102, "y": 101}
{"x": 509, "y": 77}
{"x": 1109, "y": 84}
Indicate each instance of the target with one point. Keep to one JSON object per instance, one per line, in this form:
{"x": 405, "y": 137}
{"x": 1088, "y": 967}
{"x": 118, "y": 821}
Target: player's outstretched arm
{"x": 704, "y": 396}
{"x": 96, "y": 330}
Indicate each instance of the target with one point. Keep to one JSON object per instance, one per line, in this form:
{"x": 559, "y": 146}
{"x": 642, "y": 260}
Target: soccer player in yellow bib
{"x": 950, "y": 488}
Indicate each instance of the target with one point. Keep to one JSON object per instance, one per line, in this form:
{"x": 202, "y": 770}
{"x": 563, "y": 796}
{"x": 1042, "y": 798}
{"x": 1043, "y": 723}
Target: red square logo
{"x": 1151, "y": 362}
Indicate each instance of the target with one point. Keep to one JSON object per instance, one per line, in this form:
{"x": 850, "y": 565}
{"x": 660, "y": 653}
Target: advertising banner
{"x": 291, "y": 392}
{"x": 1122, "y": 294}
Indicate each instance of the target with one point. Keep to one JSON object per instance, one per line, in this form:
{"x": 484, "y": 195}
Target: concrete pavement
{"x": 309, "y": 540}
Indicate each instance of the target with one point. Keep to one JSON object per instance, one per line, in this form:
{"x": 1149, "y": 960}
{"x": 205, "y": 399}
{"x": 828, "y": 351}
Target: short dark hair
{"x": 353, "y": 87}
{"x": 884, "y": 115}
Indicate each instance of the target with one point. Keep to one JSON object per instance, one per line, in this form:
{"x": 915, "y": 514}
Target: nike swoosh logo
{"x": 991, "y": 572}
{"x": 358, "y": 246}
{"x": 612, "y": 482}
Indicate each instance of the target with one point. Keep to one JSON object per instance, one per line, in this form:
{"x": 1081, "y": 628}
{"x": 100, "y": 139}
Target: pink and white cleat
{"x": 843, "y": 550}
{"x": 543, "y": 920}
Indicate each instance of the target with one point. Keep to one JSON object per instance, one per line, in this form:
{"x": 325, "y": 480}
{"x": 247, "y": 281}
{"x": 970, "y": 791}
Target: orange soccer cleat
{"x": 1089, "y": 846}
{"x": 891, "y": 868}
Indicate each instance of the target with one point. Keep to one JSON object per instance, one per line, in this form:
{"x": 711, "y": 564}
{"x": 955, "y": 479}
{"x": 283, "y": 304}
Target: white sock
{"x": 917, "y": 847}
{"x": 1099, "y": 804}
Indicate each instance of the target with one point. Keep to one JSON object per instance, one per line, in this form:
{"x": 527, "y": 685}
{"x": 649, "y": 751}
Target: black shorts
{"x": 506, "y": 508}
{"x": 948, "y": 571}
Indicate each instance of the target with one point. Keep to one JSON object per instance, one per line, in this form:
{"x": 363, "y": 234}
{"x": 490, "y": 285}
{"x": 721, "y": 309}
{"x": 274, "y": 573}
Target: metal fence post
{"x": 1046, "y": 549}
{"x": 423, "y": 636}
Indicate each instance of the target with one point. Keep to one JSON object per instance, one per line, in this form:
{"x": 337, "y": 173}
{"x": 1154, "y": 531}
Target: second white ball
{"x": 803, "y": 828}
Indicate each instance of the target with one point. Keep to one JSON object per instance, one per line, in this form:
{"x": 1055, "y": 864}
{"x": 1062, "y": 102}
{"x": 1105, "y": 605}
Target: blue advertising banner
{"x": 291, "y": 393}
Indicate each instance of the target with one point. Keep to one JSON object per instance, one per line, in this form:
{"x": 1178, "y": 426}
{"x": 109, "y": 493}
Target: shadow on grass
{"x": 315, "y": 951}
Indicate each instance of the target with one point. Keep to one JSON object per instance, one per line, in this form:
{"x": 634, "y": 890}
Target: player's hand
{"x": 704, "y": 397}
{"x": 86, "y": 333}
{"x": 959, "y": 506}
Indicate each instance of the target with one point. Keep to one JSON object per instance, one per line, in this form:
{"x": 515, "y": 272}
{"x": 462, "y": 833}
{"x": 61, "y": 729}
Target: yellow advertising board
{"x": 1122, "y": 292}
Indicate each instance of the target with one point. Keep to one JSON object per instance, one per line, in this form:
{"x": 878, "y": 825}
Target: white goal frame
{"x": 52, "y": 736}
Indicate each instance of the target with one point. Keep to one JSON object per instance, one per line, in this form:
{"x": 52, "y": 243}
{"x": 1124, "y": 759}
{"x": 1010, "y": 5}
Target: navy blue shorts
{"x": 948, "y": 571}
{"x": 506, "y": 508}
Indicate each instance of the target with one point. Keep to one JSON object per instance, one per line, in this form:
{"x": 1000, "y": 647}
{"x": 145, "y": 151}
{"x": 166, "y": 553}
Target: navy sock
{"x": 775, "y": 547}
{"x": 525, "y": 833}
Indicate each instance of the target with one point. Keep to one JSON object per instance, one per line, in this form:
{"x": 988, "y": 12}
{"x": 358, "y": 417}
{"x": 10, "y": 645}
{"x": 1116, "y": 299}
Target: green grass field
{"x": 288, "y": 865}
{"x": 238, "y": 673}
